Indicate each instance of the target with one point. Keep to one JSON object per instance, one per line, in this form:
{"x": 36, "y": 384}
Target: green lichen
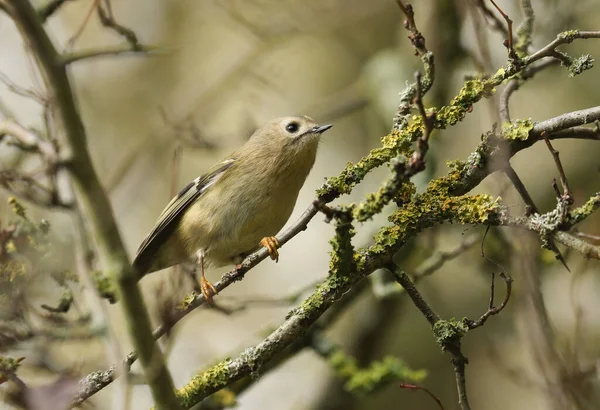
{"x": 315, "y": 301}
{"x": 577, "y": 66}
{"x": 379, "y": 373}
{"x": 105, "y": 286}
{"x": 517, "y": 130}
{"x": 469, "y": 94}
{"x": 525, "y": 30}
{"x": 17, "y": 207}
{"x": 394, "y": 189}
{"x": 341, "y": 262}
{"x": 433, "y": 207}
{"x": 579, "y": 214}
{"x": 8, "y": 366}
{"x": 24, "y": 245}
{"x": 223, "y": 399}
{"x": 204, "y": 383}
{"x": 568, "y": 35}
{"x": 187, "y": 301}
{"x": 392, "y": 144}
{"x": 449, "y": 332}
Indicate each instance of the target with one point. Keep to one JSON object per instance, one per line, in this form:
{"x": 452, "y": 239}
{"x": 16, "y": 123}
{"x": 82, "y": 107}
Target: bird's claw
{"x": 271, "y": 243}
{"x": 208, "y": 291}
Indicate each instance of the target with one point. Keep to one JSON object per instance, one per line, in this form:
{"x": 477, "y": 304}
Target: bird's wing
{"x": 167, "y": 221}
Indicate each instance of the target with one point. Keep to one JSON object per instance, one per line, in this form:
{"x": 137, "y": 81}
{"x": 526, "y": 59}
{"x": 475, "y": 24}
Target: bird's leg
{"x": 271, "y": 243}
{"x": 207, "y": 288}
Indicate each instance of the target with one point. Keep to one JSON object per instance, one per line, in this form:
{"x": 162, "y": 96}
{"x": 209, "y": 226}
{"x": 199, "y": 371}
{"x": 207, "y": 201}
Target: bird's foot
{"x": 271, "y": 243}
{"x": 208, "y": 291}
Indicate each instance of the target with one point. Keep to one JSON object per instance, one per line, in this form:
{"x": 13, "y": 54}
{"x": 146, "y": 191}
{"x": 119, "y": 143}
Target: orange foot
{"x": 271, "y": 243}
{"x": 208, "y": 290}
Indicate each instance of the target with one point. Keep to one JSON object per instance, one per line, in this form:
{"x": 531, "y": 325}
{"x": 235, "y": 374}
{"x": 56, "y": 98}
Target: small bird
{"x": 220, "y": 217}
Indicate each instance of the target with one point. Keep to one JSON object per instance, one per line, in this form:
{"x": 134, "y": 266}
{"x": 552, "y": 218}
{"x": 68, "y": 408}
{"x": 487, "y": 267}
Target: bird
{"x": 240, "y": 204}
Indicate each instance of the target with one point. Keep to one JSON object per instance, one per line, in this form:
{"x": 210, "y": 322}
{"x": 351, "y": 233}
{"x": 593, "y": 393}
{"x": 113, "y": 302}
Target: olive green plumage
{"x": 244, "y": 198}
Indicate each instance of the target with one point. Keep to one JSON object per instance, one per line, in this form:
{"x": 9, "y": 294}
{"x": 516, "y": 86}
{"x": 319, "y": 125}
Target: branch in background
{"x": 525, "y": 29}
{"x": 514, "y": 84}
{"x": 512, "y": 55}
{"x": 566, "y": 37}
{"x": 566, "y": 195}
{"x": 554, "y": 224}
{"x": 363, "y": 381}
{"x": 74, "y": 56}
{"x": 530, "y": 207}
{"x": 26, "y": 186}
{"x": 448, "y": 334}
{"x": 84, "y": 23}
{"x": 410, "y": 288}
{"x": 495, "y": 22}
{"x": 49, "y": 8}
{"x": 583, "y": 133}
{"x": 108, "y": 20}
{"x": 587, "y": 236}
{"x": 493, "y": 310}
{"x": 94, "y": 202}
{"x": 572, "y": 242}
{"x": 426, "y": 268}
{"x": 407, "y": 96}
{"x": 430, "y": 394}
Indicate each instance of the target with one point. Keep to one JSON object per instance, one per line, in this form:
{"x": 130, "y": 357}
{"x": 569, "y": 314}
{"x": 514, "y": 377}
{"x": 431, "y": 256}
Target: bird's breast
{"x": 227, "y": 221}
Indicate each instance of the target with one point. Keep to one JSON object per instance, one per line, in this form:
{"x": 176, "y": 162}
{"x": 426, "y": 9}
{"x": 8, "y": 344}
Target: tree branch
{"x": 108, "y": 51}
{"x": 566, "y": 37}
{"x": 49, "y": 8}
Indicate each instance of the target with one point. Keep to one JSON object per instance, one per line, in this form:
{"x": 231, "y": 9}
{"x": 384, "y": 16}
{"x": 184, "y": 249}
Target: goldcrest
{"x": 221, "y": 216}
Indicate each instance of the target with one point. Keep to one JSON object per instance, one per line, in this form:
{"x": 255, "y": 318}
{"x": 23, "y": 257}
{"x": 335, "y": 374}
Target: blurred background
{"x": 156, "y": 121}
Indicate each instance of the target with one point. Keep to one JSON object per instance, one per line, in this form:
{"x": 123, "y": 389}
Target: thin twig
{"x": 458, "y": 360}
{"x": 563, "y": 38}
{"x": 530, "y": 207}
{"x": 438, "y": 259}
{"x": 411, "y": 290}
{"x": 426, "y": 268}
{"x": 416, "y": 38}
{"x": 493, "y": 310}
{"x": 49, "y": 8}
{"x": 521, "y": 189}
{"x": 418, "y": 42}
{"x": 514, "y": 84}
{"x": 496, "y": 23}
{"x": 108, "y": 20}
{"x": 74, "y": 56}
{"x": 587, "y": 236}
{"x": 583, "y": 133}
{"x": 86, "y": 19}
{"x": 430, "y": 394}
{"x": 563, "y": 178}
{"x": 417, "y": 161}
{"x": 23, "y": 92}
{"x": 509, "y": 41}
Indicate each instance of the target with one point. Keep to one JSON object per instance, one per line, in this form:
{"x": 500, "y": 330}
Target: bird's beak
{"x": 321, "y": 129}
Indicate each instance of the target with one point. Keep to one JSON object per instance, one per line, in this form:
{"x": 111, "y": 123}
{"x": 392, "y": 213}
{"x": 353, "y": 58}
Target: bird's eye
{"x": 292, "y": 127}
